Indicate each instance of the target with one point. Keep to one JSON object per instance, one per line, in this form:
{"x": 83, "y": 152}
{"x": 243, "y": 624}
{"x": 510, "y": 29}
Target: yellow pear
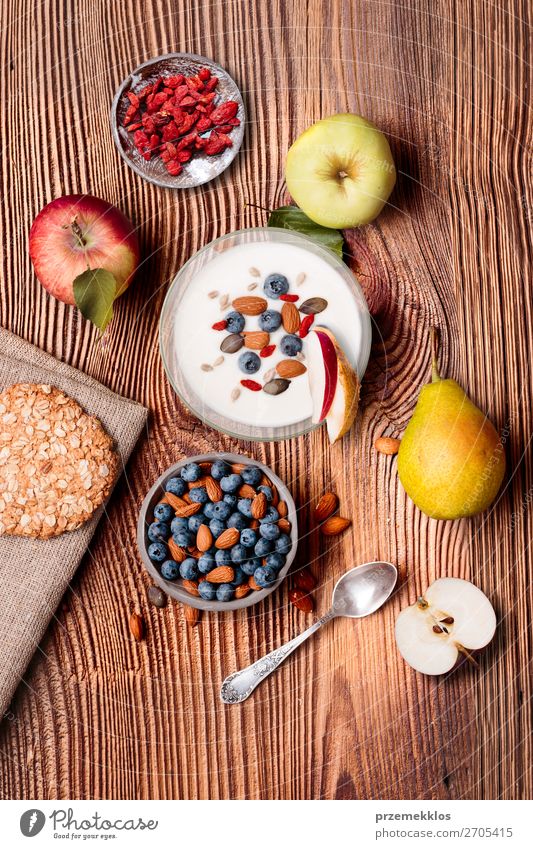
{"x": 451, "y": 460}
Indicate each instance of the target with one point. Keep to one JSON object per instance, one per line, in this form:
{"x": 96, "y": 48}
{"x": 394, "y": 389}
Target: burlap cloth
{"x": 35, "y": 573}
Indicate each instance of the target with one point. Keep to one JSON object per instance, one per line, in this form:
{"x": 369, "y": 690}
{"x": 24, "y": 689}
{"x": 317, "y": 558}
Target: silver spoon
{"x": 358, "y": 593}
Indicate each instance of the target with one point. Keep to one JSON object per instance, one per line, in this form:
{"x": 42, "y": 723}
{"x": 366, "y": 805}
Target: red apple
{"x": 75, "y": 233}
{"x": 322, "y": 370}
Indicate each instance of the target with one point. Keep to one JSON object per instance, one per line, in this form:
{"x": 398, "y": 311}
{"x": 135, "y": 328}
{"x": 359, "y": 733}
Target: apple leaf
{"x": 94, "y": 293}
{"x": 292, "y": 218}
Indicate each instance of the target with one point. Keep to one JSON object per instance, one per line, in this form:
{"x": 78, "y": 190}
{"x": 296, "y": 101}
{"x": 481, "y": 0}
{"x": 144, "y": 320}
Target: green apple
{"x": 340, "y": 171}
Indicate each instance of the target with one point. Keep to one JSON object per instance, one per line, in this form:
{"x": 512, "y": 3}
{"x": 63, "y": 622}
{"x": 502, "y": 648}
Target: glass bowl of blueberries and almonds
{"x": 218, "y": 531}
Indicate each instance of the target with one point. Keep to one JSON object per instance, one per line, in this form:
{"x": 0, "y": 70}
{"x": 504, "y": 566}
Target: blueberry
{"x": 239, "y": 554}
{"x": 267, "y": 490}
{"x": 221, "y": 510}
{"x": 209, "y": 510}
{"x": 206, "y": 562}
{"x": 191, "y": 472}
{"x": 216, "y": 527}
{"x": 223, "y": 557}
{"x": 199, "y": 495}
{"x": 291, "y": 345}
{"x": 189, "y": 569}
{"x": 239, "y": 577}
{"x": 180, "y": 523}
{"x": 275, "y": 561}
{"x": 195, "y": 522}
{"x": 263, "y": 547}
{"x": 269, "y": 531}
{"x": 263, "y": 576}
{"x": 249, "y": 566}
{"x": 270, "y": 516}
{"x": 158, "y": 532}
{"x": 283, "y": 544}
{"x": 163, "y": 512}
{"x": 234, "y": 322}
{"x": 220, "y": 469}
{"x": 157, "y": 551}
{"x": 225, "y": 592}
{"x": 230, "y": 483}
{"x": 176, "y": 485}
{"x": 248, "y": 537}
{"x": 230, "y": 499}
{"x": 207, "y": 590}
{"x": 251, "y": 475}
{"x": 237, "y": 520}
{"x": 183, "y": 538}
{"x": 275, "y": 285}
{"x": 244, "y": 506}
{"x": 270, "y": 320}
{"x": 170, "y": 570}
{"x": 249, "y": 362}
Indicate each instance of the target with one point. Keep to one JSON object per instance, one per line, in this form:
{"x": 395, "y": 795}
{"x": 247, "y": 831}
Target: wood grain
{"x": 101, "y": 716}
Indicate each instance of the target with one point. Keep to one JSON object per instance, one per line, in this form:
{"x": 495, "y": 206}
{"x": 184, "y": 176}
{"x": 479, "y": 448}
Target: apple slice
{"x": 334, "y": 384}
{"x": 322, "y": 371}
{"x": 453, "y": 617}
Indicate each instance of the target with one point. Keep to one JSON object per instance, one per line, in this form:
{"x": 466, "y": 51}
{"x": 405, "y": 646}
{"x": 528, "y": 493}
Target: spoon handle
{"x": 238, "y": 686}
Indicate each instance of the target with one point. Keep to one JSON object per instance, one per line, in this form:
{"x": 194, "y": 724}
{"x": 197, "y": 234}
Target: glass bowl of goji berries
{"x": 178, "y": 120}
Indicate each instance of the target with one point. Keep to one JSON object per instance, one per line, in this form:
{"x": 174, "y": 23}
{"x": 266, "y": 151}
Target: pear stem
{"x": 434, "y": 336}
{"x": 467, "y": 654}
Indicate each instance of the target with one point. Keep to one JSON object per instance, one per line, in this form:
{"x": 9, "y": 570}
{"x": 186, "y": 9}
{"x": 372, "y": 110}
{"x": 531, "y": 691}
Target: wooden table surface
{"x": 101, "y": 716}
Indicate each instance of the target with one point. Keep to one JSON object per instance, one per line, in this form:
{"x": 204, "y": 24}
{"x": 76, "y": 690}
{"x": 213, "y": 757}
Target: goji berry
{"x": 174, "y": 168}
{"x": 214, "y": 144}
{"x": 251, "y": 384}
{"x": 305, "y": 326}
{"x": 204, "y": 74}
{"x": 223, "y": 113}
{"x": 267, "y": 351}
{"x": 291, "y": 299}
{"x": 173, "y": 82}
{"x": 203, "y": 124}
{"x": 211, "y": 84}
{"x": 220, "y": 325}
{"x": 133, "y": 99}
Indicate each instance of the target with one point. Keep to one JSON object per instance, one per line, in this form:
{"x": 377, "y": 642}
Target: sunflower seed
{"x": 206, "y": 367}
{"x": 251, "y": 287}
{"x": 223, "y": 301}
{"x": 254, "y": 272}
{"x": 235, "y": 393}
{"x": 218, "y": 362}
{"x": 300, "y": 279}
{"x": 213, "y": 294}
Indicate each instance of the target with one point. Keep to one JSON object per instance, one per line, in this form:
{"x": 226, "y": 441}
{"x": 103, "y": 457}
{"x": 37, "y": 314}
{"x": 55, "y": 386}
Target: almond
{"x": 243, "y": 590}
{"x": 335, "y": 525}
{"x": 285, "y": 526}
{"x": 205, "y": 466}
{"x": 214, "y": 490}
{"x": 282, "y": 509}
{"x": 247, "y": 491}
{"x": 254, "y": 524}
{"x": 250, "y": 305}
{"x": 204, "y": 538}
{"x": 303, "y": 601}
{"x": 290, "y": 318}
{"x": 237, "y": 468}
{"x": 174, "y": 500}
{"x": 191, "y": 587}
{"x": 305, "y": 580}
{"x": 387, "y": 445}
{"x": 188, "y": 510}
{"x": 326, "y": 507}
{"x": 259, "y": 506}
{"x": 253, "y": 585}
{"x": 256, "y": 340}
{"x": 178, "y": 554}
{"x": 199, "y": 482}
{"x": 195, "y": 552}
{"x": 136, "y": 623}
{"x": 222, "y": 574}
{"x": 275, "y": 495}
{"x": 290, "y": 368}
{"x": 228, "y": 538}
{"x": 192, "y": 616}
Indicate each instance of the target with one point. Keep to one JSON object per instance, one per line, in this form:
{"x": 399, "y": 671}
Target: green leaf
{"x": 94, "y": 293}
{"x": 292, "y": 218}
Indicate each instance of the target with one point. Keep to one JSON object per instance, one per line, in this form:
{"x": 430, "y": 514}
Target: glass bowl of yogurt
{"x": 234, "y": 324}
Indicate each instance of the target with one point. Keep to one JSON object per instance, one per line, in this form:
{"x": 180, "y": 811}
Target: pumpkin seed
{"x": 313, "y": 306}
{"x": 232, "y": 343}
{"x": 276, "y": 386}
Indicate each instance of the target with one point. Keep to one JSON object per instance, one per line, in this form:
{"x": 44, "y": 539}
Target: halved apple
{"x": 333, "y": 382}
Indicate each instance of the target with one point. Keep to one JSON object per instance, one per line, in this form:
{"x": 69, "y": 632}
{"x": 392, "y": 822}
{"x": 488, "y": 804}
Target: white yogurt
{"x": 228, "y": 273}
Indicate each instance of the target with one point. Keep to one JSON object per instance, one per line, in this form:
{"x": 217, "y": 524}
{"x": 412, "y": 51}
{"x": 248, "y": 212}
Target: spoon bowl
{"x": 364, "y": 589}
